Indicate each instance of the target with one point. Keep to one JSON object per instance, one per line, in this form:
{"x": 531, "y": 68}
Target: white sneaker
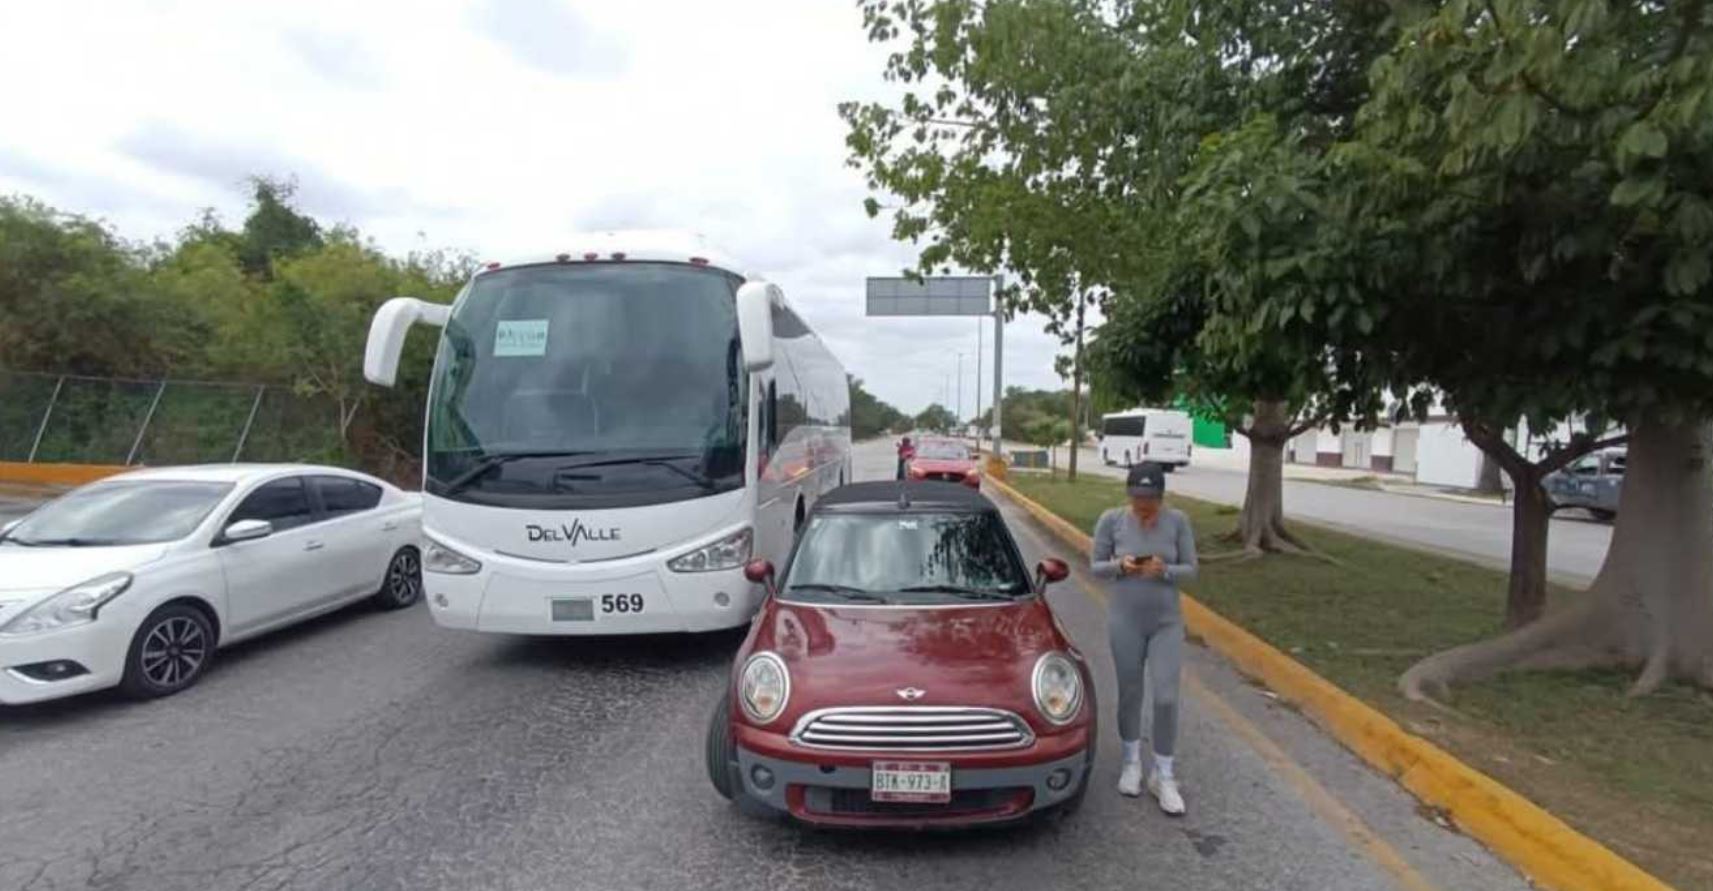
{"x": 1165, "y": 789}
{"x": 1130, "y": 781}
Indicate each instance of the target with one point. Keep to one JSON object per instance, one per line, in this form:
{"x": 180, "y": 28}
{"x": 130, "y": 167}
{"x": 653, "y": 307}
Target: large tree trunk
{"x": 1076, "y": 396}
{"x": 1651, "y": 605}
{"x": 1261, "y": 525}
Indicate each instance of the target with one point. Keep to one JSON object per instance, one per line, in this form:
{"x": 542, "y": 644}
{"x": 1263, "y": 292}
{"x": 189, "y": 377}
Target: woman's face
{"x": 1146, "y": 507}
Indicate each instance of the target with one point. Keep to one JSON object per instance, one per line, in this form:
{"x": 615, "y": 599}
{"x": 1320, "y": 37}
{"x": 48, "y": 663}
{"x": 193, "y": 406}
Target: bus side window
{"x": 772, "y": 415}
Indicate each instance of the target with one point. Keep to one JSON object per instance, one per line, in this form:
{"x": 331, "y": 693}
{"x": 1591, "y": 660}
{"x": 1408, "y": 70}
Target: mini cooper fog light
{"x": 1059, "y": 779}
{"x": 761, "y": 777}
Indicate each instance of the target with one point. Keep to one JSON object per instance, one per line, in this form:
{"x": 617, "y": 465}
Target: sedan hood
{"x": 32, "y": 573}
{"x": 957, "y": 656}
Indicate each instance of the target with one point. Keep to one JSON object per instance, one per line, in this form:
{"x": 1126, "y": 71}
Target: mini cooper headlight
{"x": 1058, "y": 688}
{"x": 75, "y": 605}
{"x": 764, "y": 686}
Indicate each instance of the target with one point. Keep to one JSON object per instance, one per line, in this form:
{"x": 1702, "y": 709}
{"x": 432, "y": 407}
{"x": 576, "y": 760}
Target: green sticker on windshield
{"x": 521, "y": 337}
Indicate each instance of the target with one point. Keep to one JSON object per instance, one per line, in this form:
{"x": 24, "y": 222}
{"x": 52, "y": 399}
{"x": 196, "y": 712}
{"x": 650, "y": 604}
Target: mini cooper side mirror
{"x": 1049, "y": 571}
{"x": 760, "y": 572}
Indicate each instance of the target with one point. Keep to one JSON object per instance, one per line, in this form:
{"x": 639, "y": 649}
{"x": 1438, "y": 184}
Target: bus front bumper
{"x": 578, "y": 600}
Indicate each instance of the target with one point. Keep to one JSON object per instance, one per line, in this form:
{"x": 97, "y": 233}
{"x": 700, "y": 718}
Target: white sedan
{"x": 135, "y": 580}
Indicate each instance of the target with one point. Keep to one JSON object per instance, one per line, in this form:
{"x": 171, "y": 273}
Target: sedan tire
{"x": 403, "y": 583}
{"x": 169, "y": 652}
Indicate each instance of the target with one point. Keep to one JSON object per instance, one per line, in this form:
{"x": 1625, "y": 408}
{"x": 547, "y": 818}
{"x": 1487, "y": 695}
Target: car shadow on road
{"x": 674, "y": 652}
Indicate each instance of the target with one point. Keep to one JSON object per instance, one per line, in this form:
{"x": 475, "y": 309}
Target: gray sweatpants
{"x": 1161, "y": 652}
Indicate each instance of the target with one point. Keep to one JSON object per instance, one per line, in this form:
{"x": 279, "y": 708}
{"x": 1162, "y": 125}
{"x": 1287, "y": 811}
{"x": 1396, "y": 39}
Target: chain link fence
{"x": 93, "y": 420}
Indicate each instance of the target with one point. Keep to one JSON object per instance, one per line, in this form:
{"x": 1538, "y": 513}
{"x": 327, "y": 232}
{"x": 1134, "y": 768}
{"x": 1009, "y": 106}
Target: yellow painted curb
{"x": 1543, "y": 847}
{"x": 57, "y": 474}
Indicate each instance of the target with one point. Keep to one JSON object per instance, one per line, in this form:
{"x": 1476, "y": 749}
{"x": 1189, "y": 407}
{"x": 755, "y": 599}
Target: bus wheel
{"x": 797, "y": 523}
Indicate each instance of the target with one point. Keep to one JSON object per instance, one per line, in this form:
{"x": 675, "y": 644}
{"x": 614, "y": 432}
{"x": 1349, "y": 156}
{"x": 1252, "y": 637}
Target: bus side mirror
{"x": 387, "y": 332}
{"x": 755, "y": 324}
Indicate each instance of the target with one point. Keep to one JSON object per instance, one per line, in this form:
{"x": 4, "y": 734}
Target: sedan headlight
{"x": 727, "y": 553}
{"x": 764, "y": 686}
{"x": 440, "y": 558}
{"x": 75, "y": 605}
{"x": 1058, "y": 688}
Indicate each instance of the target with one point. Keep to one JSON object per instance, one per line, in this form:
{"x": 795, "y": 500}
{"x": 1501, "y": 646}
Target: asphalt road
{"x": 1576, "y": 545}
{"x": 375, "y": 751}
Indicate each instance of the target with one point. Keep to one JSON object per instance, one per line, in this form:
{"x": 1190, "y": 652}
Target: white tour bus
{"x": 1131, "y": 437}
{"x": 612, "y": 432}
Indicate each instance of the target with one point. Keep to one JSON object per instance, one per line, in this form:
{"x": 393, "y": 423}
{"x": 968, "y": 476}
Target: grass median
{"x": 1637, "y": 774}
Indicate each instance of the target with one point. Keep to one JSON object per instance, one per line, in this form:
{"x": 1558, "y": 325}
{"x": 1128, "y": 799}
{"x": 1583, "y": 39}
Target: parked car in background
{"x": 1593, "y": 483}
{"x": 945, "y": 459}
{"x": 1161, "y": 435}
{"x": 905, "y": 671}
{"x": 134, "y": 581}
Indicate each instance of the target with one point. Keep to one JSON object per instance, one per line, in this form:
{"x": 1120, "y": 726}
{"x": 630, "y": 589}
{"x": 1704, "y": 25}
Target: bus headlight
{"x": 764, "y": 686}
{"x": 727, "y": 553}
{"x": 440, "y": 558}
{"x": 1058, "y": 688}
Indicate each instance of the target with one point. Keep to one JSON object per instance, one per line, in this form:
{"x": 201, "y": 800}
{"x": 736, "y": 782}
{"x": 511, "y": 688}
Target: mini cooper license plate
{"x": 921, "y": 782}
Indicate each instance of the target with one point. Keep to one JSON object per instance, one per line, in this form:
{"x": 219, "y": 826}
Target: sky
{"x": 494, "y": 127}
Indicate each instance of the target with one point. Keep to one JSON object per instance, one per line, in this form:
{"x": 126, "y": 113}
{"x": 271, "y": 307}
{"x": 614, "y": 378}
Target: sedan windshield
{"x": 119, "y": 513}
{"x": 944, "y": 451}
{"x": 906, "y": 558}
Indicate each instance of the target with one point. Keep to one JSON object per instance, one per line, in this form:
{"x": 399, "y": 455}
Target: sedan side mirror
{"x": 9, "y": 525}
{"x": 1049, "y": 571}
{"x": 760, "y": 572}
{"x": 247, "y": 530}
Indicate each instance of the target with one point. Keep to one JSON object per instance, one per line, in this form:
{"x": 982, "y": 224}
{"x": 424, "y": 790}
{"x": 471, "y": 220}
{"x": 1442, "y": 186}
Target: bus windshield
{"x": 589, "y": 385}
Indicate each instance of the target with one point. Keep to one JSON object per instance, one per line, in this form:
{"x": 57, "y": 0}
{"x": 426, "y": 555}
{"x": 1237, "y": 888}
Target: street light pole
{"x": 960, "y": 379}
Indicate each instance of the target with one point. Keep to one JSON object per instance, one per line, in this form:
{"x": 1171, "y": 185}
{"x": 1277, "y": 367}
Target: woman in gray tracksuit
{"x": 1148, "y": 550}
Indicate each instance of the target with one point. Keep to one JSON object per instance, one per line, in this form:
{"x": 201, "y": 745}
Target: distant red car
{"x": 905, "y": 671}
{"x": 945, "y": 459}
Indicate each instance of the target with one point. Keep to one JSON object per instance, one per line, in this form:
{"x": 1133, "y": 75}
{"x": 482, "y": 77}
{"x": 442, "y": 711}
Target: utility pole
{"x": 978, "y": 379}
{"x": 960, "y": 379}
{"x": 998, "y": 361}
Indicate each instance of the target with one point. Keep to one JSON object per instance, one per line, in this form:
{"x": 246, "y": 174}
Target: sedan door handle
{"x": 313, "y": 546}
{"x": 389, "y": 525}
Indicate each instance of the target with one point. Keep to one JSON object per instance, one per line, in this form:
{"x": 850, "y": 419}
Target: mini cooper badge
{"x": 911, "y": 694}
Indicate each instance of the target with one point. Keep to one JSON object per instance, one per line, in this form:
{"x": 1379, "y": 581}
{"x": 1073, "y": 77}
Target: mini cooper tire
{"x": 169, "y": 652}
{"x": 402, "y": 585}
{"x": 721, "y": 751}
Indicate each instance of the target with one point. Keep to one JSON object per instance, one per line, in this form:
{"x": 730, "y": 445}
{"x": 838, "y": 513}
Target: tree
{"x": 1528, "y": 180}
{"x": 274, "y": 229}
{"x": 1054, "y": 138}
{"x": 936, "y": 418}
{"x": 869, "y": 415}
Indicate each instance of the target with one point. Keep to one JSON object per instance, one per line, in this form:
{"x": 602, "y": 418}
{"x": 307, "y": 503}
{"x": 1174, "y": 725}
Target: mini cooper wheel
{"x": 722, "y": 752}
{"x": 169, "y": 652}
{"x": 403, "y": 584}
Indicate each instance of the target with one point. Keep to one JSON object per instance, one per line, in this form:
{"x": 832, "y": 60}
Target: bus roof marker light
{"x": 563, "y": 258}
{"x": 698, "y": 261}
{"x": 591, "y": 256}
{"x": 618, "y": 255}
{"x": 493, "y": 264}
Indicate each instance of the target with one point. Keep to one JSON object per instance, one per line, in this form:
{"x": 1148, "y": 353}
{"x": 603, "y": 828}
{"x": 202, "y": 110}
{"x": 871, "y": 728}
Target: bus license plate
{"x": 913, "y": 781}
{"x": 573, "y": 609}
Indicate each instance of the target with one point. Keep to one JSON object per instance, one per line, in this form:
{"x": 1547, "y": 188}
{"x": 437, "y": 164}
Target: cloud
{"x": 550, "y": 36}
{"x": 341, "y": 59}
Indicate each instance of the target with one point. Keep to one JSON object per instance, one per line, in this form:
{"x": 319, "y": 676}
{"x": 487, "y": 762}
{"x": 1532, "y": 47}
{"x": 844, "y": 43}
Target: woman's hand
{"x": 1153, "y": 567}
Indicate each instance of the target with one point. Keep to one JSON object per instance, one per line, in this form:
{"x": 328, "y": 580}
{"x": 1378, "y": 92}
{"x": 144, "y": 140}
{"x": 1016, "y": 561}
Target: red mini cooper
{"x": 947, "y": 460}
{"x": 905, "y": 671}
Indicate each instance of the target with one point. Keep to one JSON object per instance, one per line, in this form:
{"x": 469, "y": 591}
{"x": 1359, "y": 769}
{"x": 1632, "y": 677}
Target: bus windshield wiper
{"x": 490, "y": 461}
{"x": 860, "y": 595}
{"x": 663, "y": 461}
{"x": 959, "y": 590}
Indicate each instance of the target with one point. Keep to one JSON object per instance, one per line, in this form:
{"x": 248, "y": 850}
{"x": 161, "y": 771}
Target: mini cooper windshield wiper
{"x": 959, "y": 590}
{"x": 846, "y": 591}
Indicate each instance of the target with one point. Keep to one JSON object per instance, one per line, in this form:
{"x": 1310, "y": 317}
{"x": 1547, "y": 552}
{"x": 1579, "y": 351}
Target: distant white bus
{"x": 1161, "y": 435}
{"x": 613, "y": 431}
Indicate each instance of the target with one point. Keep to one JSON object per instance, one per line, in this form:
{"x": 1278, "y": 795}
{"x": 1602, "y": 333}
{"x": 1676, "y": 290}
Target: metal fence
{"x": 96, "y": 420}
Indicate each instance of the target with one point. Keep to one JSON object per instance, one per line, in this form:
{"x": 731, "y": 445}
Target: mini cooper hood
{"x": 979, "y": 655}
{"x": 37, "y": 572}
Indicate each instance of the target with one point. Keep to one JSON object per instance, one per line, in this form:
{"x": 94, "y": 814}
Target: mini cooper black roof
{"x": 913, "y": 495}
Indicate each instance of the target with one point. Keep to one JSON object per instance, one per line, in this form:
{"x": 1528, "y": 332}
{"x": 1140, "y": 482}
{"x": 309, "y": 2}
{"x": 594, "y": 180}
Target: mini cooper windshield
{"x": 906, "y": 559}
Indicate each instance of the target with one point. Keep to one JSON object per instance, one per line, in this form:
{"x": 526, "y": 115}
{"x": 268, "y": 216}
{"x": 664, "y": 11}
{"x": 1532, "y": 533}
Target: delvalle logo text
{"x": 572, "y": 534}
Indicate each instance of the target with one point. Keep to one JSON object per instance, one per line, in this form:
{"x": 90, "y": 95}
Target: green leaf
{"x": 1634, "y": 191}
{"x": 1644, "y": 140}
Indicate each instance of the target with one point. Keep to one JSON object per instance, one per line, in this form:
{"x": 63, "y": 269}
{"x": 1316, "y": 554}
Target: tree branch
{"x": 1557, "y": 459}
{"x": 1528, "y": 80}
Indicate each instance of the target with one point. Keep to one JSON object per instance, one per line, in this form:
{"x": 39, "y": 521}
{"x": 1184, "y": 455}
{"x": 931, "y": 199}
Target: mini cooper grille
{"x": 925, "y": 728}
